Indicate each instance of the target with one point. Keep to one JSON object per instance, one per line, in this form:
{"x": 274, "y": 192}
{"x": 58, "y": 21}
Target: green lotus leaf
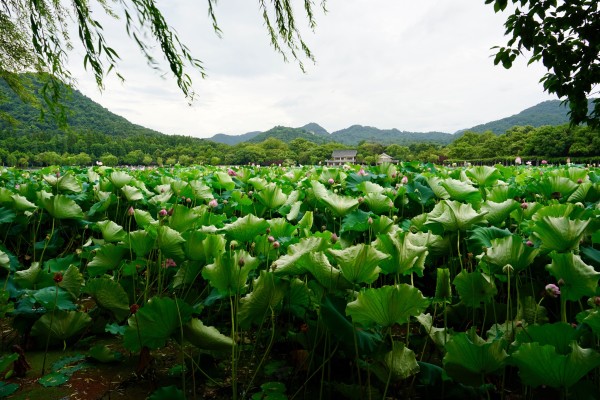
{"x": 109, "y": 294}
{"x": 484, "y": 175}
{"x": 387, "y": 305}
{"x": 560, "y": 335}
{"x": 34, "y": 276}
{"x": 496, "y": 213}
{"x": 350, "y": 336}
{"x": 509, "y": 250}
{"x": 6, "y": 360}
{"x": 440, "y": 191}
{"x": 188, "y": 273}
{"x": 578, "y": 278}
{"x": 7, "y": 215}
{"x": 455, "y": 216}
{"x": 258, "y": 182}
{"x": 367, "y": 187}
{"x": 155, "y": 322}
{"x": 468, "y": 357}
{"x": 378, "y": 203}
{"x": 461, "y": 191}
{"x": 306, "y": 222}
{"x": 357, "y": 220}
{"x": 4, "y": 260}
{"x": 111, "y": 232}
{"x": 229, "y": 273}
{"x": 401, "y": 362}
{"x": 61, "y": 325}
{"x": 141, "y": 242}
{"x": 439, "y": 336}
{"x": 436, "y": 245}
{"x": 293, "y": 211}
{"x": 559, "y": 233}
{"x": 257, "y": 306}
{"x": 359, "y": 264}
{"x": 474, "y": 288}
{"x": 298, "y": 297}
{"x": 201, "y": 190}
{"x": 108, "y": 257}
{"x": 271, "y": 196}
{"x": 420, "y": 193}
{"x": 206, "y": 337}
{"x": 382, "y": 225}
{"x": 183, "y": 218}
{"x": 72, "y": 281}
{"x": 247, "y": 228}
{"x": 67, "y": 182}
{"x": 169, "y": 242}
{"x": 53, "y": 298}
{"x": 556, "y": 184}
{"x": 60, "y": 206}
{"x": 481, "y": 237}
{"x": 204, "y": 247}
{"x": 120, "y": 179}
{"x": 144, "y": 219}
{"x": 542, "y": 365}
{"x": 281, "y": 228}
{"x": 293, "y": 263}
{"x": 326, "y": 274}
{"x": 161, "y": 199}
{"x": 592, "y": 319}
{"x": 500, "y": 193}
{"x": 6, "y": 389}
{"x": 443, "y": 289}
{"x": 132, "y": 193}
{"x": 223, "y": 181}
{"x": 104, "y": 354}
{"x": 61, "y": 264}
{"x": 53, "y": 379}
{"x": 406, "y": 257}
{"x": 338, "y": 205}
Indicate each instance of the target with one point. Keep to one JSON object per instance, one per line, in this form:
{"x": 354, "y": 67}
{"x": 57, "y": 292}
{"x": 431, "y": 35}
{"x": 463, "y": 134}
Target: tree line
{"x": 86, "y": 148}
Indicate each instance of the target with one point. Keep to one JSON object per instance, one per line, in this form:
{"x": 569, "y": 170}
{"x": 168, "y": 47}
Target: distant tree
{"x": 109, "y": 160}
{"x": 564, "y": 36}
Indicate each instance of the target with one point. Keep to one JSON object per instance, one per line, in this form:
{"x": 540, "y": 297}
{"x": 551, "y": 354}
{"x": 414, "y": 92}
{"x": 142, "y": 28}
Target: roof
{"x": 344, "y": 153}
{"x": 383, "y": 155}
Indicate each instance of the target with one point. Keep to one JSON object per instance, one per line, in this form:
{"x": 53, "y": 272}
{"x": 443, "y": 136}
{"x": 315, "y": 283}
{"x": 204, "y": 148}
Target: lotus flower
{"x": 552, "y": 290}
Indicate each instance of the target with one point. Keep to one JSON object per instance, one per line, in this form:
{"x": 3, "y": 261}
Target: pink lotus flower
{"x": 362, "y": 172}
{"x": 404, "y": 180}
{"x": 552, "y": 290}
{"x": 131, "y": 211}
{"x": 213, "y": 203}
{"x": 169, "y": 263}
{"x": 231, "y": 172}
{"x": 162, "y": 212}
{"x": 518, "y": 161}
{"x": 331, "y": 181}
{"x": 544, "y": 162}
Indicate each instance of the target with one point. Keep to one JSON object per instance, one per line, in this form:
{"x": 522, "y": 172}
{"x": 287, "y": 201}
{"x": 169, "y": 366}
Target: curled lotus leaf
{"x": 359, "y": 264}
{"x": 455, "y": 216}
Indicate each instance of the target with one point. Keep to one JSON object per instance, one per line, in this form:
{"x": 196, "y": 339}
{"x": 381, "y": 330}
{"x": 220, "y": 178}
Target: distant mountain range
{"x": 89, "y": 117}
{"x": 550, "y": 112}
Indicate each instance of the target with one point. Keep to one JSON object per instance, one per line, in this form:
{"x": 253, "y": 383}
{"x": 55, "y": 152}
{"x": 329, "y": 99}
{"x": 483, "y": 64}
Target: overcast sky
{"x": 412, "y": 65}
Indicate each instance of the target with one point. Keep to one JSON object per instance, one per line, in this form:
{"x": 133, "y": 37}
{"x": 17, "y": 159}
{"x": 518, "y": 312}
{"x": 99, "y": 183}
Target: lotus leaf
{"x": 556, "y": 184}
{"x": 132, "y": 193}
{"x": 420, "y": 193}
{"x": 401, "y": 362}
{"x": 206, "y": 337}
{"x": 559, "y": 233}
{"x": 246, "y": 228}
{"x": 359, "y": 263}
{"x": 281, "y": 228}
{"x": 271, "y": 196}
{"x": 60, "y": 325}
{"x": 484, "y": 175}
{"x": 111, "y": 232}
{"x": 509, "y": 250}
{"x": 267, "y": 293}
{"x": 54, "y": 298}
{"x": 578, "y": 278}
{"x": 204, "y": 247}
{"x": 110, "y": 295}
{"x": 338, "y": 205}
{"x": 440, "y": 191}
{"x": 120, "y": 179}
{"x": 155, "y": 322}
{"x": 357, "y": 220}
{"x": 292, "y": 263}
{"x": 560, "y": 335}
{"x": 367, "y": 187}
{"x": 328, "y": 276}
{"x": 34, "y": 276}
{"x": 170, "y": 242}
{"x": 439, "y": 336}
{"x": 474, "y": 288}
{"x": 4, "y": 260}
{"x": 461, "y": 191}
{"x": 379, "y": 203}
{"x": 541, "y": 365}
{"x": 406, "y": 257}
{"x": 141, "y": 242}
{"x": 387, "y": 305}
{"x": 72, "y": 281}
{"x": 184, "y": 218}
{"x": 201, "y": 190}
{"x": 223, "y": 181}
{"x": 469, "y": 358}
{"x": 60, "y": 206}
{"x": 481, "y": 237}
{"x": 108, "y": 257}
{"x": 66, "y": 182}
{"x": 443, "y": 289}
{"x": 104, "y": 354}
{"x": 229, "y": 272}
{"x": 496, "y": 213}
{"x": 455, "y": 216}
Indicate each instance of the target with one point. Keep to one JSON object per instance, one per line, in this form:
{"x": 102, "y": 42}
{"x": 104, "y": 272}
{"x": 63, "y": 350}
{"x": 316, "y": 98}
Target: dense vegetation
{"x": 409, "y": 281}
{"x": 94, "y": 134}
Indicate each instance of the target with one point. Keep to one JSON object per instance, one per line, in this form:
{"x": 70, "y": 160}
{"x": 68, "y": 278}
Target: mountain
{"x": 549, "y": 112}
{"x": 358, "y": 133}
{"x": 315, "y": 128}
{"x": 234, "y": 139}
{"x": 286, "y": 134}
{"x": 83, "y": 114}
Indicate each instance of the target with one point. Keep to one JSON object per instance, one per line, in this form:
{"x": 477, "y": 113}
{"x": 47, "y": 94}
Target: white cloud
{"x": 416, "y": 66}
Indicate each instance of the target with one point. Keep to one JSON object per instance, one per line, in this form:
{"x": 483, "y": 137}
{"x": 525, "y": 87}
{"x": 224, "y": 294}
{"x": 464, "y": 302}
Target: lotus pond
{"x": 396, "y": 281}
